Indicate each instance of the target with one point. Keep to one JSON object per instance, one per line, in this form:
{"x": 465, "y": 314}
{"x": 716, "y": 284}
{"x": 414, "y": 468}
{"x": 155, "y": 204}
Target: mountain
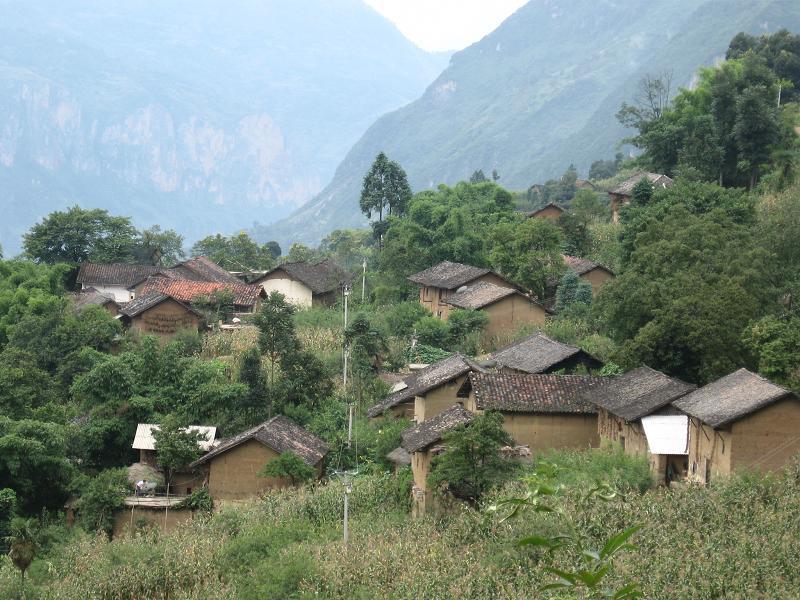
{"x": 538, "y": 93}
{"x": 203, "y": 115}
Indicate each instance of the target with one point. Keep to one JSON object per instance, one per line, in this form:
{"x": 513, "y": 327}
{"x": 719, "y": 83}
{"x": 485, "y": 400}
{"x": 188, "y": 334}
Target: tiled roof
{"x": 582, "y": 265}
{"x": 399, "y": 456}
{"x": 481, "y": 294}
{"x": 626, "y": 187}
{"x": 536, "y": 353}
{"x": 731, "y": 398}
{"x": 533, "y": 213}
{"x": 638, "y": 393}
{"x": 448, "y": 275}
{"x": 185, "y": 290}
{"x": 120, "y": 274}
{"x": 320, "y": 278}
{"x": 428, "y": 432}
{"x": 527, "y": 393}
{"x": 201, "y": 268}
{"x": 145, "y": 302}
{"x": 144, "y": 440}
{"x": 91, "y": 296}
{"x": 280, "y": 434}
{"x": 426, "y": 379}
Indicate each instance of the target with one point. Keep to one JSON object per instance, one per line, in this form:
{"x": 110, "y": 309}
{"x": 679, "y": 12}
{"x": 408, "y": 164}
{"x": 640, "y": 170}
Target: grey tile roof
{"x": 121, "y": 274}
{"x": 426, "y": 379}
{"x": 533, "y": 213}
{"x": 399, "y": 456}
{"x": 582, "y": 265}
{"x": 90, "y": 297}
{"x": 638, "y": 393}
{"x": 201, "y": 268}
{"x": 430, "y": 431}
{"x": 280, "y": 434}
{"x": 321, "y": 277}
{"x": 626, "y": 187}
{"x": 533, "y": 393}
{"x": 731, "y": 397}
{"x": 536, "y": 353}
{"x": 148, "y": 300}
{"x": 481, "y": 294}
{"x": 448, "y": 275}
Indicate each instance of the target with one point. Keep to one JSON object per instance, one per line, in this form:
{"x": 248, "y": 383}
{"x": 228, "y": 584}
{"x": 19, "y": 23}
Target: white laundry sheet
{"x": 667, "y": 434}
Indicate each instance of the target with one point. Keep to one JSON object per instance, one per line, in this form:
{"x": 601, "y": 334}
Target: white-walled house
{"x": 114, "y": 279}
{"x": 305, "y": 284}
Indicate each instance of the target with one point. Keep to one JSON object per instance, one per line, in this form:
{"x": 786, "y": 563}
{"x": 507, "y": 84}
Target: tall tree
{"x": 168, "y": 244}
{"x": 236, "y": 253}
{"x": 277, "y": 335}
{"x": 385, "y": 189}
{"x": 175, "y": 446}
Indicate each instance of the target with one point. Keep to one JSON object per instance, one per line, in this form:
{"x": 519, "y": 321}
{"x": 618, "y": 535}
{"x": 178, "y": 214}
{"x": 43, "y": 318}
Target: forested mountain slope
{"x": 538, "y": 93}
{"x": 202, "y": 115}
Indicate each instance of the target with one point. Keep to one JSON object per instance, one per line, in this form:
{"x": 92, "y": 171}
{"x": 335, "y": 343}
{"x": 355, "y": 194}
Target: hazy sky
{"x": 445, "y": 24}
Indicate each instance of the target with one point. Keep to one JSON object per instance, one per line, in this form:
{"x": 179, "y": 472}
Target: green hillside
{"x": 537, "y": 94}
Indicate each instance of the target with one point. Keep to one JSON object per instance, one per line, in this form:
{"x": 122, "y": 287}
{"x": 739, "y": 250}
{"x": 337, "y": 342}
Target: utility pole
{"x": 363, "y": 279}
{"x": 344, "y": 373}
{"x": 348, "y": 488}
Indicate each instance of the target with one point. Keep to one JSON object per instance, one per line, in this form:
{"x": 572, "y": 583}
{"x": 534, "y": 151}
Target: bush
{"x": 432, "y": 331}
{"x": 277, "y": 578}
{"x": 102, "y": 497}
{"x": 400, "y": 318}
{"x": 462, "y": 324}
{"x": 288, "y": 466}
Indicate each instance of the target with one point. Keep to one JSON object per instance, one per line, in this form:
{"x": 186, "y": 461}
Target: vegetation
{"x": 288, "y": 466}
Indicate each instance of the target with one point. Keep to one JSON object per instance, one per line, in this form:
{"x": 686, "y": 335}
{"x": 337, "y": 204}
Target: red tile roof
{"x": 185, "y": 290}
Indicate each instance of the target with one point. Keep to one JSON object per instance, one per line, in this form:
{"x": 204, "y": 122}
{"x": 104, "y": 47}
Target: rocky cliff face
{"x": 196, "y": 115}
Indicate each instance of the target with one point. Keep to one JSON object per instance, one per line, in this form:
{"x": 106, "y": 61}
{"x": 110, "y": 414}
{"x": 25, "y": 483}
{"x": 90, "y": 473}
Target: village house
{"x": 441, "y": 281}
{"x": 113, "y": 279}
{"x": 624, "y": 404}
{"x": 623, "y": 193}
{"x": 507, "y": 309}
{"x": 589, "y": 271}
{"x": 306, "y": 284}
{"x": 232, "y": 467}
{"x": 183, "y": 483}
{"x": 427, "y": 392}
{"x": 245, "y": 298}
{"x": 542, "y": 412}
{"x": 740, "y": 422}
{"x": 91, "y": 297}
{"x": 551, "y": 211}
{"x": 153, "y": 313}
{"x": 538, "y": 353}
{"x": 420, "y": 441}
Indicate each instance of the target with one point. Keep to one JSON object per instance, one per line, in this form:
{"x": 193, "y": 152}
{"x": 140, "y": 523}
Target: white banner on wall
{"x": 667, "y": 434}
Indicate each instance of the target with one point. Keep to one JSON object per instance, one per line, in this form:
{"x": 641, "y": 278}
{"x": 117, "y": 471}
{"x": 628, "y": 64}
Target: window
{"x": 622, "y": 441}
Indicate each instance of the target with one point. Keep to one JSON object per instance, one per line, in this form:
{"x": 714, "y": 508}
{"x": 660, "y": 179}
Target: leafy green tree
{"x": 176, "y": 446}
{"x": 302, "y": 253}
{"x": 578, "y": 239}
{"x": 101, "y": 497}
{"x": 775, "y": 343}
{"x": 463, "y": 323}
{"x": 590, "y": 206}
{"x": 385, "y": 189}
{"x": 276, "y": 330}
{"x": 605, "y": 169}
{"x": 472, "y": 463}
{"x": 24, "y": 387}
{"x": 167, "y": 242}
{"x": 216, "y": 306}
{"x": 237, "y": 253}
{"x": 400, "y": 318}
{"x": 251, "y": 374}
{"x": 432, "y": 331}
{"x": 274, "y": 249}
{"x": 572, "y": 290}
{"x": 77, "y": 235}
{"x": 478, "y": 177}
{"x": 305, "y": 385}
{"x": 288, "y": 466}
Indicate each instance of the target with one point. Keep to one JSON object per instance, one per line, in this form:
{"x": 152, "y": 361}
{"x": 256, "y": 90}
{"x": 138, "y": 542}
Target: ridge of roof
{"x": 583, "y": 265}
{"x": 481, "y": 294}
{"x": 731, "y": 397}
{"x": 534, "y": 392}
{"x": 533, "y": 213}
{"x": 448, "y": 275}
{"x": 424, "y": 434}
{"x": 625, "y": 188}
{"x": 535, "y": 353}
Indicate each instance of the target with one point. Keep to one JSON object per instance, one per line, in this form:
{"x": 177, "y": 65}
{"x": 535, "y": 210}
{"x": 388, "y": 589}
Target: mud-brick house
{"x": 158, "y": 314}
{"x": 201, "y": 268}
{"x": 624, "y": 405}
{"x": 246, "y": 298}
{"x": 623, "y": 193}
{"x": 306, "y": 284}
{"x": 92, "y": 297}
{"x": 551, "y": 212}
{"x": 183, "y": 483}
{"x": 429, "y": 391}
{"x": 441, "y": 281}
{"x": 507, "y": 309}
{"x": 539, "y": 411}
{"x": 422, "y": 442}
{"x": 232, "y": 467}
{"x": 537, "y": 353}
{"x": 740, "y": 422}
{"x": 113, "y": 279}
{"x": 589, "y": 271}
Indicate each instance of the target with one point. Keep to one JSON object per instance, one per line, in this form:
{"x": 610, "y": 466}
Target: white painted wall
{"x": 296, "y": 293}
{"x": 121, "y": 294}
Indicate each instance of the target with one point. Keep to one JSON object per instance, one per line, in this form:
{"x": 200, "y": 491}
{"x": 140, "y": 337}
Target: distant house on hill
{"x": 91, "y": 297}
{"x": 623, "y": 193}
{"x": 593, "y": 273}
{"x": 627, "y": 402}
{"x": 429, "y": 391}
{"x": 305, "y": 284}
{"x": 246, "y": 298}
{"x": 113, "y": 279}
{"x": 551, "y": 211}
{"x": 158, "y": 314}
{"x": 741, "y": 422}
{"x": 538, "y": 353}
{"x": 232, "y": 468}
{"x": 441, "y": 281}
{"x": 539, "y": 411}
{"x": 420, "y": 440}
{"x": 506, "y": 308}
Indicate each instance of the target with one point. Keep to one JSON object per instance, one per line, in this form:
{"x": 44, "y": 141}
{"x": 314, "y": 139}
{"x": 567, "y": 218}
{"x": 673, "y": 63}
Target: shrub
{"x": 102, "y": 496}
{"x": 288, "y": 466}
{"x": 432, "y": 331}
{"x": 400, "y": 318}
